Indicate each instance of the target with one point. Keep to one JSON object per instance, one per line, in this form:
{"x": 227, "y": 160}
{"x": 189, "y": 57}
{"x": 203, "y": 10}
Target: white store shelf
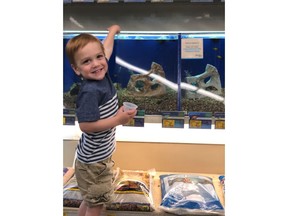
{"x": 153, "y": 132}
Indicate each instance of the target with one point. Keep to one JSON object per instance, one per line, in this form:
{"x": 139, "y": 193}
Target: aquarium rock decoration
{"x": 174, "y": 86}
{"x": 213, "y": 85}
{"x": 143, "y": 85}
{"x": 71, "y": 96}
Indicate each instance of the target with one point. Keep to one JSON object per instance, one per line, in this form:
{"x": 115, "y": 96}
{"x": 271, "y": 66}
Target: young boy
{"x": 98, "y": 115}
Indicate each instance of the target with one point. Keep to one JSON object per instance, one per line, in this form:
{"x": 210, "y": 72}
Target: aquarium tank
{"x": 167, "y": 71}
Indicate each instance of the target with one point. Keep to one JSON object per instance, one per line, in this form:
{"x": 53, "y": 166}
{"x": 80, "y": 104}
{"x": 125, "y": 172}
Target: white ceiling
{"x": 180, "y": 16}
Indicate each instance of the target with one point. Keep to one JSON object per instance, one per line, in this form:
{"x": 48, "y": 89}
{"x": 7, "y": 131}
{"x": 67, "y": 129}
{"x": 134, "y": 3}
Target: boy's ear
{"x": 76, "y": 70}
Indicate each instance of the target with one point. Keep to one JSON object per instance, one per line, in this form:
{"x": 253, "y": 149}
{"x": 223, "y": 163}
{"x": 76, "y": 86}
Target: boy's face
{"x": 90, "y": 62}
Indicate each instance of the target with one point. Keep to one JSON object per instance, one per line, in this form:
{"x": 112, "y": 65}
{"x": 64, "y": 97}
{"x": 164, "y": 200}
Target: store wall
{"x": 169, "y": 157}
{"x": 176, "y": 16}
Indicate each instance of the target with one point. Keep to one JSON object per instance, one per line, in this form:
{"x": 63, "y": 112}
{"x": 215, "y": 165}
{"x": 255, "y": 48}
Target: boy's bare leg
{"x": 95, "y": 211}
{"x": 82, "y": 209}
{"x": 86, "y": 211}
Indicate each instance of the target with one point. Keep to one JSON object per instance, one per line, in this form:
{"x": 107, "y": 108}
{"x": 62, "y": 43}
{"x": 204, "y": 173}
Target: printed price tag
{"x": 195, "y": 123}
{"x": 173, "y": 119}
{"x": 219, "y": 120}
{"x": 138, "y": 120}
{"x": 168, "y": 123}
{"x": 202, "y": 120}
{"x": 219, "y": 124}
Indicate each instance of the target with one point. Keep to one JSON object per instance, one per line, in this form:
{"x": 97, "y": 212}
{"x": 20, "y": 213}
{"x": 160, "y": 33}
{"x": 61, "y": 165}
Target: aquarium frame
{"x": 177, "y": 35}
{"x": 206, "y": 34}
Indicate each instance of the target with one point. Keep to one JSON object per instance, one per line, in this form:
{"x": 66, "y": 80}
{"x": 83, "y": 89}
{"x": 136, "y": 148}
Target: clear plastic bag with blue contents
{"x": 184, "y": 194}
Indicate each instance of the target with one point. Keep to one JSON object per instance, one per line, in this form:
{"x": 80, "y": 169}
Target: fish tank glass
{"x": 161, "y": 71}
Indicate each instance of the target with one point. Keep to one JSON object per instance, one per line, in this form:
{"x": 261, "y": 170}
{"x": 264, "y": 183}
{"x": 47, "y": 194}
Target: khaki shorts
{"x": 95, "y": 181}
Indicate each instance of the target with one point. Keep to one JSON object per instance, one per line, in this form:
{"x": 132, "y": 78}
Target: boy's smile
{"x": 91, "y": 62}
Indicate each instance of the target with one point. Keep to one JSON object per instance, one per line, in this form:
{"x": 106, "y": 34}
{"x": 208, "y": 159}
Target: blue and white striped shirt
{"x": 97, "y": 99}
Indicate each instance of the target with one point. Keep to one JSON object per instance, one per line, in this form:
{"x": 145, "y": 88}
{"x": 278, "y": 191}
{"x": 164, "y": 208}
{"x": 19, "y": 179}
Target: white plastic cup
{"x": 129, "y": 106}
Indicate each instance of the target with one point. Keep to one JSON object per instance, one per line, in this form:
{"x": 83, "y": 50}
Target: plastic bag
{"x": 184, "y": 194}
{"x": 222, "y": 183}
{"x": 133, "y": 191}
{"x": 71, "y": 194}
{"x": 68, "y": 172}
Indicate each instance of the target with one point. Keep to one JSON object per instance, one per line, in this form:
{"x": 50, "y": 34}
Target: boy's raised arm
{"x": 108, "y": 42}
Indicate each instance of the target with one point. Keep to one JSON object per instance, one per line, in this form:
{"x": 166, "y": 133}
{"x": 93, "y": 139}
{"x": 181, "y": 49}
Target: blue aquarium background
{"x": 162, "y": 49}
